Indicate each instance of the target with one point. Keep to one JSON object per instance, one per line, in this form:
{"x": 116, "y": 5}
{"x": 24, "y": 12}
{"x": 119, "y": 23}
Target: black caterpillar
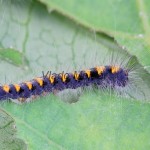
{"x": 102, "y": 76}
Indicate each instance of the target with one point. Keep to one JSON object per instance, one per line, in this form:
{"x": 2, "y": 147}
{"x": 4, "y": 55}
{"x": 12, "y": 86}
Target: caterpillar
{"x": 110, "y": 74}
{"x": 113, "y": 76}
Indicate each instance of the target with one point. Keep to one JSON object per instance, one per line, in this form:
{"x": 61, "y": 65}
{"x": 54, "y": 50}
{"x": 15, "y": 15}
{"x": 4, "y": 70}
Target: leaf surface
{"x": 9, "y": 141}
{"x": 125, "y": 20}
{"x": 50, "y": 41}
{"x": 97, "y": 121}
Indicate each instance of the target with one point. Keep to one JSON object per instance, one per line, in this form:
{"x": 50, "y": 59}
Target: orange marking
{"x": 6, "y": 88}
{"x": 63, "y": 76}
{"x": 88, "y": 72}
{"x": 17, "y": 87}
{"x": 100, "y": 69}
{"x": 76, "y": 75}
{"x": 40, "y": 81}
{"x": 52, "y": 78}
{"x": 29, "y": 85}
{"x": 115, "y": 69}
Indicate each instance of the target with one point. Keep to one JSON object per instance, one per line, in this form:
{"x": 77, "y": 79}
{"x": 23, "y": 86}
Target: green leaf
{"x": 12, "y": 56}
{"x": 8, "y": 140}
{"x": 97, "y": 121}
{"x": 126, "y": 20}
{"x": 52, "y": 42}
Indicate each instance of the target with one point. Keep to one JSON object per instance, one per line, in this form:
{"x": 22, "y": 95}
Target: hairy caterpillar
{"x": 22, "y": 91}
{"x": 102, "y": 76}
